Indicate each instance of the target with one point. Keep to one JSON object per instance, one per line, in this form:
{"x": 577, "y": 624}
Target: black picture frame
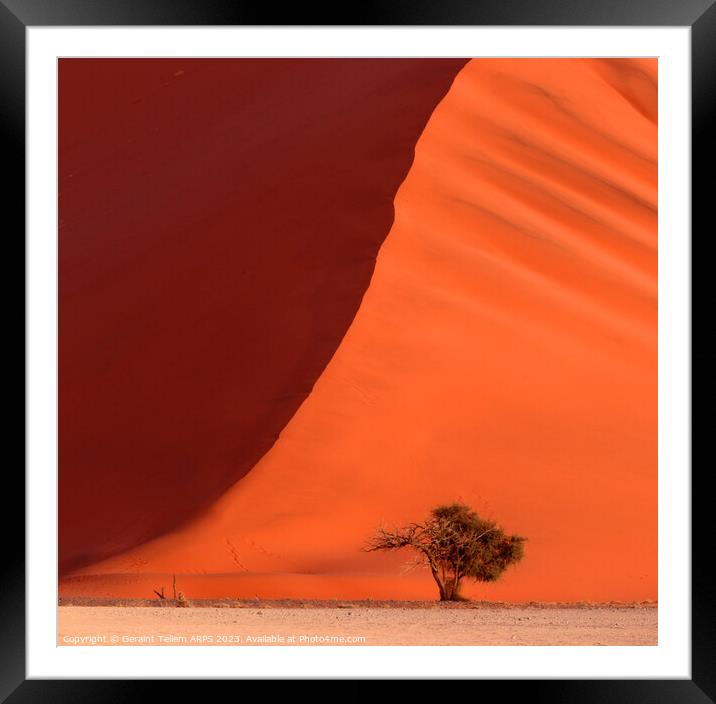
{"x": 699, "y": 15}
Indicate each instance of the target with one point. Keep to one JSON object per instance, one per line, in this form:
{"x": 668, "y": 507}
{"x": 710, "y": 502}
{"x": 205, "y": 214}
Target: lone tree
{"x": 455, "y": 543}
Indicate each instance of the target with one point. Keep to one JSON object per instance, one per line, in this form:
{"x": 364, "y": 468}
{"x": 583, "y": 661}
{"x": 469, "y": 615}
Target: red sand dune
{"x": 219, "y": 223}
{"x": 505, "y": 353}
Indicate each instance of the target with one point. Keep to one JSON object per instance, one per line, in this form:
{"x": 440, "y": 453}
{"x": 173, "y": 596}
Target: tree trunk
{"x": 448, "y": 591}
{"x": 440, "y": 583}
{"x": 451, "y": 591}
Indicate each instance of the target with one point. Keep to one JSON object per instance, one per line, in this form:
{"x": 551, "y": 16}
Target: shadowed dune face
{"x": 505, "y": 353}
{"x": 219, "y": 222}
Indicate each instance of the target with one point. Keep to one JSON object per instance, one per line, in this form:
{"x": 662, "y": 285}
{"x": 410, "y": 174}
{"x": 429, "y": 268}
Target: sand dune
{"x": 219, "y": 222}
{"x": 504, "y": 353}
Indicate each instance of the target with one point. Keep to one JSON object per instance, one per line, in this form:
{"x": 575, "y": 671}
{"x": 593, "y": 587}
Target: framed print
{"x": 359, "y": 348}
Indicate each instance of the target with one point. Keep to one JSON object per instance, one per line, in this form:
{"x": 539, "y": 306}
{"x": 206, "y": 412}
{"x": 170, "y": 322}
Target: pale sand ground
{"x": 394, "y": 626}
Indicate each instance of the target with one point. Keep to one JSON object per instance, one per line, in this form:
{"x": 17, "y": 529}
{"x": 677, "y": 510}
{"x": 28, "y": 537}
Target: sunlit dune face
{"x": 504, "y": 353}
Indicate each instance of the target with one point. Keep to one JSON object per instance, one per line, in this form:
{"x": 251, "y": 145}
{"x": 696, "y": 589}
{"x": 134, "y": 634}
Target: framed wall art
{"x": 358, "y": 346}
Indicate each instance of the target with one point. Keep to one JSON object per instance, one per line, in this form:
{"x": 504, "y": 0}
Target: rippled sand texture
{"x": 504, "y": 354}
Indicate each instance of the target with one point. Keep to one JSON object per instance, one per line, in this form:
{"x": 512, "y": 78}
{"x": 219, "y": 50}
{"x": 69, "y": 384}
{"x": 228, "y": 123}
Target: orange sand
{"x": 505, "y": 353}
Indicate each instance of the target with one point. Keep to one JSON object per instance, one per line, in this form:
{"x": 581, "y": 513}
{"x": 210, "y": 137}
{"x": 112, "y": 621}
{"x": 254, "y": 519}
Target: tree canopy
{"x": 455, "y": 543}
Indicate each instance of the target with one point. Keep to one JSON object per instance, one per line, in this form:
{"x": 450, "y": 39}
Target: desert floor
{"x": 359, "y": 623}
